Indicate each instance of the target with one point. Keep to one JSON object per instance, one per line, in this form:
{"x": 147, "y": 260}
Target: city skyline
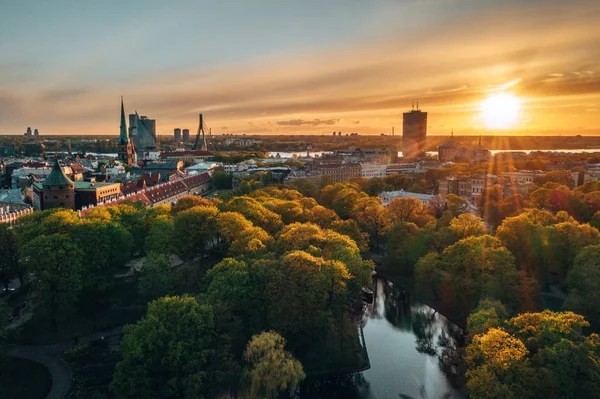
{"x": 310, "y": 67}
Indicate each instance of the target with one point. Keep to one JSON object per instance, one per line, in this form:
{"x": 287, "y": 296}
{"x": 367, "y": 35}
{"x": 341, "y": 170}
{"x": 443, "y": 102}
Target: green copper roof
{"x": 123, "y": 139}
{"x": 57, "y": 177}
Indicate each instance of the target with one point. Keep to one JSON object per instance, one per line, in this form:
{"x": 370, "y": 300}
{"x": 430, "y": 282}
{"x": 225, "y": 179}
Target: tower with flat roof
{"x": 414, "y": 132}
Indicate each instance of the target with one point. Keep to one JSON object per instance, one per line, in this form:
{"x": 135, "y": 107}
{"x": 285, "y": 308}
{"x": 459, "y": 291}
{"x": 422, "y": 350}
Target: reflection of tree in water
{"x": 424, "y": 327}
{"x": 451, "y": 342}
{"x": 397, "y": 309}
{"x": 350, "y": 386}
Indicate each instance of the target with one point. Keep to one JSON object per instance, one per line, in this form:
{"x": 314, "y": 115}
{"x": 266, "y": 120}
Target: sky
{"x": 298, "y": 66}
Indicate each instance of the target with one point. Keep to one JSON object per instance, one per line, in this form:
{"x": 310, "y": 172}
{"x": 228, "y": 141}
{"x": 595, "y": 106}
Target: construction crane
{"x": 200, "y": 143}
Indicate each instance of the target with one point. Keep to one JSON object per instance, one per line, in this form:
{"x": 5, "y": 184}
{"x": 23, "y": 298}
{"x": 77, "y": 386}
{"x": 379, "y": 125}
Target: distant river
{"x": 302, "y": 154}
{"x": 402, "y": 339}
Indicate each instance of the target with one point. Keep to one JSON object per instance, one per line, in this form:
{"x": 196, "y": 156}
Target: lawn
{"x": 24, "y": 379}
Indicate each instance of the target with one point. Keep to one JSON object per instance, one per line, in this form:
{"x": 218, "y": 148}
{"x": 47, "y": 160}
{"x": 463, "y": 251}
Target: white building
{"x": 388, "y": 196}
{"x": 371, "y": 170}
{"x": 395, "y": 168}
{"x": 592, "y": 172}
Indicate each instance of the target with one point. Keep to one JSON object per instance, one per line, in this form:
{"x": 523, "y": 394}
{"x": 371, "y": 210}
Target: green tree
{"x": 173, "y": 352}
{"x": 195, "y": 230}
{"x": 221, "y": 180}
{"x": 156, "y": 277}
{"x": 57, "y": 264}
{"x": 273, "y": 370}
{"x": 10, "y": 266}
{"x": 583, "y": 282}
{"x": 161, "y": 235}
{"x": 405, "y": 245}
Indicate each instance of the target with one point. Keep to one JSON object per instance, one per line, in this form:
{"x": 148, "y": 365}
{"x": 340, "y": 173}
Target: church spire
{"x": 123, "y": 139}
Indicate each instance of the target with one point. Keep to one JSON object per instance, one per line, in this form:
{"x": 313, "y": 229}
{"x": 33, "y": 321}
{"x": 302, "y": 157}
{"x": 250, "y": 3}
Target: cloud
{"x": 368, "y": 82}
{"x": 314, "y": 122}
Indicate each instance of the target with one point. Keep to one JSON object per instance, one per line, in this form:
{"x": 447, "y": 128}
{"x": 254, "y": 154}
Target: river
{"x": 302, "y": 154}
{"x": 402, "y": 338}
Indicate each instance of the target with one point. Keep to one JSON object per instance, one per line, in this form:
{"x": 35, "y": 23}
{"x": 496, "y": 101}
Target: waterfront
{"x": 403, "y": 339}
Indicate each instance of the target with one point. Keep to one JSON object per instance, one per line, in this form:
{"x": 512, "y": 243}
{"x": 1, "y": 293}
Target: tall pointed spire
{"x": 123, "y": 138}
{"x": 480, "y": 140}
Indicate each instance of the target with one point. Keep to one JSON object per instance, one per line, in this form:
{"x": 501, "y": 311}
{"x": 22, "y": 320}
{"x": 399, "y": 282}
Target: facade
{"x": 194, "y": 156}
{"x": 447, "y": 151}
{"x": 405, "y": 168}
{"x": 371, "y": 170}
{"x": 592, "y": 172}
{"x": 388, "y": 196}
{"x": 414, "y": 132}
{"x": 177, "y": 135}
{"x": 125, "y": 154}
{"x": 338, "y": 173}
{"x": 94, "y": 193}
{"x": 57, "y": 191}
{"x": 185, "y": 135}
{"x": 164, "y": 193}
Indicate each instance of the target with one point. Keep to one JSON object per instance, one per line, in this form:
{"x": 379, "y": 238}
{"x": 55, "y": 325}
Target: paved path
{"x": 49, "y": 356}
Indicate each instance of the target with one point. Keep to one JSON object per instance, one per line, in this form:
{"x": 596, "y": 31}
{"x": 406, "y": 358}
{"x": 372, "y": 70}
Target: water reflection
{"x": 412, "y": 351}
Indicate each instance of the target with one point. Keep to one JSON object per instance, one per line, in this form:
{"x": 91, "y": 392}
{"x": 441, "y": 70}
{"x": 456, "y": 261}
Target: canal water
{"x": 405, "y": 341}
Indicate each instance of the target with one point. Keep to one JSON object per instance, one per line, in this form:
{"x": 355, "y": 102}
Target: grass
{"x": 24, "y": 379}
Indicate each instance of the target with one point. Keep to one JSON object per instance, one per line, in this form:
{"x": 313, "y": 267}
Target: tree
{"x": 489, "y": 314}
{"x": 173, "y": 352}
{"x": 583, "y": 282}
{"x": 534, "y": 355}
{"x": 562, "y": 177}
{"x": 405, "y": 209}
{"x": 195, "y": 230}
{"x": 221, "y": 180}
{"x": 9, "y": 257}
{"x": 156, "y": 277}
{"x": 475, "y": 268}
{"x": 273, "y": 370}
{"x": 405, "y": 244}
{"x": 5, "y": 316}
{"x": 457, "y": 205}
{"x": 161, "y": 235}
{"x": 350, "y": 228}
{"x": 373, "y": 218}
{"x": 255, "y": 212}
{"x": 467, "y": 225}
{"x": 242, "y": 237}
{"x": 497, "y": 365}
{"x": 189, "y": 201}
{"x": 57, "y": 264}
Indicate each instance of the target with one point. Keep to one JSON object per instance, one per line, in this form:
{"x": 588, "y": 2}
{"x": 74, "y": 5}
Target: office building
{"x": 142, "y": 132}
{"x": 186, "y": 135}
{"x": 414, "y": 132}
{"x": 177, "y": 135}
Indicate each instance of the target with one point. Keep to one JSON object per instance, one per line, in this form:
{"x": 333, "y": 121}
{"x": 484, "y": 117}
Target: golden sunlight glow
{"x": 500, "y": 111}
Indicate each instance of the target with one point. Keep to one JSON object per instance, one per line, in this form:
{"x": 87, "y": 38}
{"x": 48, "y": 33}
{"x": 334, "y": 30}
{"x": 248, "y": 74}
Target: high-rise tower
{"x": 125, "y": 154}
{"x": 414, "y": 132}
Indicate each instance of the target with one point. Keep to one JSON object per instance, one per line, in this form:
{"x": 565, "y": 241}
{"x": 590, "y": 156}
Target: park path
{"x": 49, "y": 356}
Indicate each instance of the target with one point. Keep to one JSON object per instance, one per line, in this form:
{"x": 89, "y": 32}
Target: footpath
{"x": 50, "y": 357}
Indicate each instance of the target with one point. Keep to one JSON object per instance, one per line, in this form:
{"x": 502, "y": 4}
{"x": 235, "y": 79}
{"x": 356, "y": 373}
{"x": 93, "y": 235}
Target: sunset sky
{"x": 291, "y": 66}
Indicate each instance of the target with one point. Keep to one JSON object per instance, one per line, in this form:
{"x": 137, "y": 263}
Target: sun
{"x": 500, "y": 111}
